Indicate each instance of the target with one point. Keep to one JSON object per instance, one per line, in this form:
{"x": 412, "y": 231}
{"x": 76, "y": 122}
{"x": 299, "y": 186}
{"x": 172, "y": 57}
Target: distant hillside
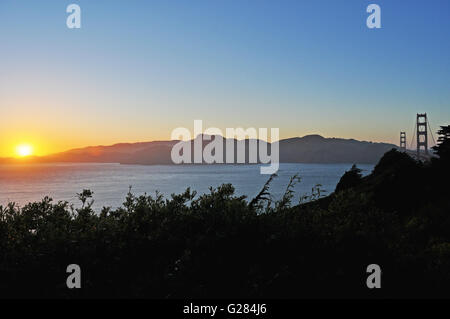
{"x": 317, "y": 149}
{"x": 117, "y": 153}
{"x": 307, "y": 149}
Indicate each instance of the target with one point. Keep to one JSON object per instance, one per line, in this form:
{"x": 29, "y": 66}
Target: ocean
{"x": 110, "y": 182}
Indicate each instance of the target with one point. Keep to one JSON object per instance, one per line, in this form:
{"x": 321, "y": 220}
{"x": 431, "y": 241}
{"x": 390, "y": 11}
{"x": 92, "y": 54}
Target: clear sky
{"x": 138, "y": 69}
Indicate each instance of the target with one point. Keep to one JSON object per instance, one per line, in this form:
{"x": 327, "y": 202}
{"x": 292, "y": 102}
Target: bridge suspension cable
{"x": 431, "y": 131}
{"x": 413, "y": 135}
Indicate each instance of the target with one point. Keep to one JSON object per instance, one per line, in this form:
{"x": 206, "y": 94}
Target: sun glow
{"x": 24, "y": 150}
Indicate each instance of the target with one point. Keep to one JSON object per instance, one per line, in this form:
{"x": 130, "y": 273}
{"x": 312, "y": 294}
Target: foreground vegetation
{"x": 222, "y": 245}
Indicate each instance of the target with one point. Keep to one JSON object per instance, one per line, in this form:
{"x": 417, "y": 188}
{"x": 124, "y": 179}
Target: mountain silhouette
{"x": 307, "y": 149}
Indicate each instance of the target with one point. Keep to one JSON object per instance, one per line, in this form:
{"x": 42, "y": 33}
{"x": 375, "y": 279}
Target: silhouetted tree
{"x": 443, "y": 147}
{"x": 350, "y": 179}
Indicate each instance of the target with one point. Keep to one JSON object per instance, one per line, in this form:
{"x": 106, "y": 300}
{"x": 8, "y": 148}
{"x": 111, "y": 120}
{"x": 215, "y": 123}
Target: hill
{"x": 307, "y": 149}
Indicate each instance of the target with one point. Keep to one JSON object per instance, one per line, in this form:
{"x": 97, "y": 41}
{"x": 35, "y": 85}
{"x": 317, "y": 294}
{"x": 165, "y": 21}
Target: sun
{"x": 24, "y": 150}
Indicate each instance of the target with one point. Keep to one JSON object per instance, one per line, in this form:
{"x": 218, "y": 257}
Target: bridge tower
{"x": 422, "y": 134}
{"x": 403, "y": 141}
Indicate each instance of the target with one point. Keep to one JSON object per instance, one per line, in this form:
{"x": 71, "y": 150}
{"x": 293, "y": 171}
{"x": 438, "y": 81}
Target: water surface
{"x": 110, "y": 182}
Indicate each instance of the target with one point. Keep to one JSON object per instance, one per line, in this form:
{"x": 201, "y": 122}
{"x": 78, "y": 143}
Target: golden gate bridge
{"x": 420, "y": 134}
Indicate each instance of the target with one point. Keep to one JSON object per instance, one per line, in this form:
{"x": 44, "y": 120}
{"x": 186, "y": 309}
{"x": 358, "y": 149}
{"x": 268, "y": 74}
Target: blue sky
{"x": 138, "y": 69}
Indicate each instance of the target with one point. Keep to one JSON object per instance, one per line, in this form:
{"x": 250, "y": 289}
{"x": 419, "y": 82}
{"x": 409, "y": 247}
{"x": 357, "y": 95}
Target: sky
{"x": 136, "y": 70}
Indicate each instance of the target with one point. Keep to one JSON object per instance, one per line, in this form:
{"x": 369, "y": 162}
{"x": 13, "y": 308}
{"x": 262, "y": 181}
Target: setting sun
{"x": 23, "y": 150}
